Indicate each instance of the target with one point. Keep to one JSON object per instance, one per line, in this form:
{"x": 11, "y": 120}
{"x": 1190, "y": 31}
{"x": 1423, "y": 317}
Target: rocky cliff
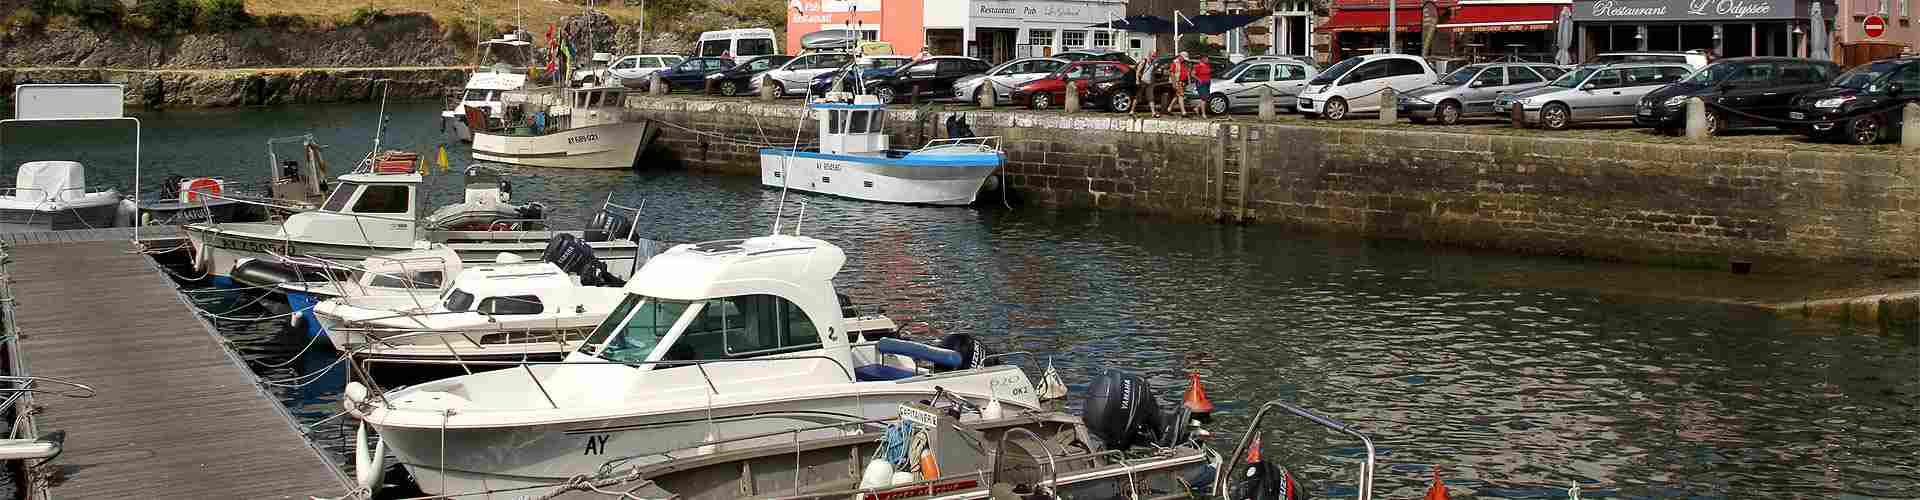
{"x": 392, "y": 41}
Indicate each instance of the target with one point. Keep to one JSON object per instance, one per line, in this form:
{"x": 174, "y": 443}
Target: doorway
{"x": 996, "y": 44}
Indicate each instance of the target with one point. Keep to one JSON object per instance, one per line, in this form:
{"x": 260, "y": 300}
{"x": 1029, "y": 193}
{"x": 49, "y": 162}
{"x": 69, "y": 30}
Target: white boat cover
{"x": 43, "y": 180}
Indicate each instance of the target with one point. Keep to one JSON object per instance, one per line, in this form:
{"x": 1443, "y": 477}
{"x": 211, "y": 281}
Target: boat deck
{"x": 177, "y": 414}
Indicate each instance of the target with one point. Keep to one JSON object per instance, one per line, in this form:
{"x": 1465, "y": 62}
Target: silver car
{"x": 1590, "y": 93}
{"x": 796, "y": 77}
{"x": 1239, "y": 89}
{"x": 1006, "y": 77}
{"x": 1471, "y": 90}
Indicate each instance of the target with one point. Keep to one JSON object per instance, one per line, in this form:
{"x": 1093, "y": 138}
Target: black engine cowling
{"x": 1121, "y": 410}
{"x": 607, "y": 226}
{"x": 576, "y": 257}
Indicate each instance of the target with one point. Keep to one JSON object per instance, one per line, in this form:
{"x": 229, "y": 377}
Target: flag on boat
{"x": 1437, "y": 491}
{"x": 443, "y": 158}
{"x": 1050, "y": 385}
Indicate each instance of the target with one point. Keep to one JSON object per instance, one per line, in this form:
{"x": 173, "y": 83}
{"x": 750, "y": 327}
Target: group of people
{"x": 1183, "y": 72}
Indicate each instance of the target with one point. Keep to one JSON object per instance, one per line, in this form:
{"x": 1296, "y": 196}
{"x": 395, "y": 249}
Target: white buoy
{"x": 366, "y": 467}
{"x": 902, "y": 477}
{"x": 879, "y": 474}
{"x": 508, "y": 258}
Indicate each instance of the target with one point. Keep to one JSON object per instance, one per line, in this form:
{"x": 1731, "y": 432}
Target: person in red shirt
{"x": 1202, "y": 82}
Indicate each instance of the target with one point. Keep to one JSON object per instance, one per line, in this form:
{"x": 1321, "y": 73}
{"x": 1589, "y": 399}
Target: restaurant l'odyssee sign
{"x": 1686, "y": 10}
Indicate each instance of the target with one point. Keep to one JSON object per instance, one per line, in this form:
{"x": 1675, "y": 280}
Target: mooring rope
{"x": 296, "y": 357}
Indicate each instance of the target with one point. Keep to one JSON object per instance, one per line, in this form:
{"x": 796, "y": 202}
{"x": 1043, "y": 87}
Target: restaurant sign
{"x": 1686, "y": 10}
{"x": 1050, "y": 11}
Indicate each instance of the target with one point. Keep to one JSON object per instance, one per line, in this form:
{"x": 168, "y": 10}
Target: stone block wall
{"x": 1672, "y": 204}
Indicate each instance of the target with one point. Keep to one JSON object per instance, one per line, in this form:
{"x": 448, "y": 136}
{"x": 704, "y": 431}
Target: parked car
{"x": 1105, "y": 84}
{"x": 1239, "y": 88}
{"x": 1006, "y": 77}
{"x": 1354, "y": 85}
{"x": 931, "y": 77}
{"x": 1759, "y": 86}
{"x": 637, "y": 70}
{"x": 745, "y": 70}
{"x": 739, "y": 42}
{"x": 1864, "y": 103}
{"x": 1693, "y": 58}
{"x": 1307, "y": 60}
{"x": 796, "y": 76}
{"x": 1471, "y": 90}
{"x": 691, "y": 74}
{"x": 868, "y": 67}
{"x": 1096, "y": 55}
{"x": 1591, "y": 93}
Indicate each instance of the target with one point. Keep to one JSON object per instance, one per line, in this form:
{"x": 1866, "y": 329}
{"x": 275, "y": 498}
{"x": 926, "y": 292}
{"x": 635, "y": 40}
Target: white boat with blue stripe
{"x": 853, "y": 161}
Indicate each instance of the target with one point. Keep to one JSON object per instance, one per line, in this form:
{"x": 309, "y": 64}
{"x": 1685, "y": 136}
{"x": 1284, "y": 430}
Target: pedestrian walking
{"x": 1180, "y": 72}
{"x": 1202, "y": 82}
{"x": 923, "y": 55}
{"x": 1144, "y": 87}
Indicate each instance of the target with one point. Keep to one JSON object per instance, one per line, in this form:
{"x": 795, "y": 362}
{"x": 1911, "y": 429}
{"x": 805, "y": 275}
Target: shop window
{"x": 1042, "y": 38}
{"x": 1073, "y": 38}
{"x": 1103, "y": 38}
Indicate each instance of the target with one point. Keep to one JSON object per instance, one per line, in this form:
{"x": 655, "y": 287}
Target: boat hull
{"x": 614, "y": 145}
{"x": 456, "y": 127}
{"x": 874, "y": 179}
{"x": 175, "y": 212}
{"x": 76, "y": 217}
{"x": 217, "y": 251}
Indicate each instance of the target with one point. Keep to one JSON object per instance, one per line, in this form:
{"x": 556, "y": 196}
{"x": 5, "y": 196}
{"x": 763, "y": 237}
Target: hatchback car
{"x": 1105, "y": 84}
{"x": 1863, "y": 105}
{"x": 1096, "y": 55}
{"x": 1591, "y": 93}
{"x": 1354, "y": 85}
{"x": 1239, "y": 89}
{"x": 1471, "y": 90}
{"x": 637, "y": 71}
{"x": 931, "y": 77}
{"x": 865, "y": 68}
{"x": 796, "y": 76}
{"x": 740, "y": 77}
{"x": 1757, "y": 86}
{"x": 1006, "y": 77}
{"x": 692, "y": 74}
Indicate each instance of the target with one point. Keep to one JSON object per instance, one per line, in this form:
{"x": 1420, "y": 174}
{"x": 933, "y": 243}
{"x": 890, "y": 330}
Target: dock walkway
{"x": 177, "y": 415}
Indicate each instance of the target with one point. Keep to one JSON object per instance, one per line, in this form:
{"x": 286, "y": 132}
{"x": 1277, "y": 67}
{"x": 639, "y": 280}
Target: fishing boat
{"x": 183, "y": 200}
{"x": 377, "y": 211}
{"x": 565, "y": 128}
{"x": 854, "y": 161}
{"x": 711, "y": 341}
{"x": 502, "y": 68}
{"x": 53, "y": 195}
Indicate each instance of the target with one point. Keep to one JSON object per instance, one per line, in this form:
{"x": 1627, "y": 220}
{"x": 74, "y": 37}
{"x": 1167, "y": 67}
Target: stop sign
{"x": 1875, "y": 26}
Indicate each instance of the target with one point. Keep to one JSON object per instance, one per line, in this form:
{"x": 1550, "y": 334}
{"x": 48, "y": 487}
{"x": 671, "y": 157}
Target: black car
{"x": 932, "y": 77}
{"x": 1863, "y": 103}
{"x": 1741, "y": 86}
{"x": 1096, "y": 55}
{"x": 869, "y": 67}
{"x": 739, "y": 78}
{"x": 691, "y": 74}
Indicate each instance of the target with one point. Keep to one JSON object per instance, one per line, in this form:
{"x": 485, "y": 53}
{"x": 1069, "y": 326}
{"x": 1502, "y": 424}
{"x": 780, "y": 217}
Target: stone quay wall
{"x": 1673, "y": 204}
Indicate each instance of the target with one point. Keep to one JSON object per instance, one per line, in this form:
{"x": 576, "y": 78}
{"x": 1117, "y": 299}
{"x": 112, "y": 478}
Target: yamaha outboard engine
{"x": 1122, "y": 411}
{"x": 576, "y": 257}
{"x": 529, "y": 212}
{"x": 607, "y": 226}
{"x": 972, "y": 352}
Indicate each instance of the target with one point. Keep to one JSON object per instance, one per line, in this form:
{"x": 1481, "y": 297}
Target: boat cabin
{"x": 549, "y": 110}
{"x": 853, "y": 128}
{"x": 378, "y": 207}
{"x": 509, "y": 287}
{"x": 418, "y": 270}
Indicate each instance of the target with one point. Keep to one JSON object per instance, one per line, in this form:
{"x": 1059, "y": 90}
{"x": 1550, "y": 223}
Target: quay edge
{"x": 1641, "y": 202}
{"x": 199, "y": 88}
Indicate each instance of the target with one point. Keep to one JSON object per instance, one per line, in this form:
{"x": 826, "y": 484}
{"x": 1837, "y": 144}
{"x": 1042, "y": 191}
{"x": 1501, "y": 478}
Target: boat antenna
{"x": 380, "y": 125}
{"x": 801, "y": 219}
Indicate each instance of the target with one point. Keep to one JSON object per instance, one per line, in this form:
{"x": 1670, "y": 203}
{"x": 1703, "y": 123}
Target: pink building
{"x": 1852, "y": 46}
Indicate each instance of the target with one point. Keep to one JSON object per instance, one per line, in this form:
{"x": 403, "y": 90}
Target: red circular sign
{"x": 1875, "y": 26}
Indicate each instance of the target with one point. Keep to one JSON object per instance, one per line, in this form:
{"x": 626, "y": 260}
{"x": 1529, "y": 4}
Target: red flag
{"x": 1438, "y": 491}
{"x": 1293, "y": 488}
{"x": 1196, "y": 398}
{"x": 1253, "y": 452}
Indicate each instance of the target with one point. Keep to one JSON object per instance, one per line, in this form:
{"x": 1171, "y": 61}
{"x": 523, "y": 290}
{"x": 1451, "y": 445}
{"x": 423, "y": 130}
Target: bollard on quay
{"x": 1389, "y": 106}
{"x": 1266, "y": 103}
{"x": 1696, "y": 119}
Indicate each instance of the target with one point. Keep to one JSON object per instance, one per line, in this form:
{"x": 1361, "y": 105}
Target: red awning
{"x": 1508, "y": 17}
{"x": 1370, "y": 20}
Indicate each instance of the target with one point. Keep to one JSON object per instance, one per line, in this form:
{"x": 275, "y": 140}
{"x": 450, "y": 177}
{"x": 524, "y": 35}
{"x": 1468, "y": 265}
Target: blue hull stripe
{"x": 939, "y": 160}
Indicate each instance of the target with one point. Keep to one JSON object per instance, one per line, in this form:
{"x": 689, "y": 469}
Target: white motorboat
{"x": 421, "y": 275}
{"x": 715, "y": 341}
{"x": 502, "y": 68}
{"x": 853, "y": 161}
{"x": 376, "y": 211}
{"x": 565, "y": 128}
{"x": 54, "y": 195}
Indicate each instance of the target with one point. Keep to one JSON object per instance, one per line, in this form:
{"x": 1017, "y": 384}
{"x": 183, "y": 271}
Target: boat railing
{"x": 991, "y": 142}
{"x": 1224, "y": 474}
{"x": 55, "y": 194}
{"x": 527, "y": 366}
{"x": 405, "y": 275}
{"x": 608, "y": 467}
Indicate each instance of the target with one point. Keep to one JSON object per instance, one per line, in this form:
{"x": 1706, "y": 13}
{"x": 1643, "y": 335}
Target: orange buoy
{"x": 929, "y": 469}
{"x": 192, "y": 189}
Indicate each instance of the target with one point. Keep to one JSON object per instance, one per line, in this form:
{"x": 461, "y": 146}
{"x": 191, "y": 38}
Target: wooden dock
{"x": 178, "y": 415}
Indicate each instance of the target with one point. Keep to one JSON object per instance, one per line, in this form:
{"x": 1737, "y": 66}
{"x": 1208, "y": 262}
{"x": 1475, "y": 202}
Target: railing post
{"x": 1696, "y": 119}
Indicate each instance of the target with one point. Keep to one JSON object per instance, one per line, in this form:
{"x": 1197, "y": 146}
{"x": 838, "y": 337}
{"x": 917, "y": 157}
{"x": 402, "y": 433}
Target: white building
{"x": 1000, "y": 30}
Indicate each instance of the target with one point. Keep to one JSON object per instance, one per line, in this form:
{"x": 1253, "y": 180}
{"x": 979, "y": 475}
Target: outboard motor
{"x": 530, "y": 212}
{"x": 506, "y": 191}
{"x": 606, "y": 226}
{"x": 1121, "y": 410}
{"x": 1261, "y": 480}
{"x": 576, "y": 257}
{"x": 970, "y": 349}
{"x": 170, "y": 187}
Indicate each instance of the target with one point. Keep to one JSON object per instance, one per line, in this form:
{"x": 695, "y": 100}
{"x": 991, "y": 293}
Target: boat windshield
{"x": 338, "y": 200}
{"x": 635, "y": 328}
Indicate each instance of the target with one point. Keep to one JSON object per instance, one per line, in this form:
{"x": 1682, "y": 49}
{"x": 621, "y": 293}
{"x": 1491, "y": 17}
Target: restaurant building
{"x": 994, "y": 30}
{"x": 1726, "y": 28}
{"x": 894, "y": 21}
{"x": 1485, "y": 29}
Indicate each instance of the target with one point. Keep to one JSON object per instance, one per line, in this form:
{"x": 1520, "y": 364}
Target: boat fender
{"x": 508, "y": 258}
{"x": 879, "y": 474}
{"x": 367, "y": 469}
{"x": 1121, "y": 410}
{"x": 942, "y": 359}
{"x": 902, "y": 477}
{"x": 125, "y": 213}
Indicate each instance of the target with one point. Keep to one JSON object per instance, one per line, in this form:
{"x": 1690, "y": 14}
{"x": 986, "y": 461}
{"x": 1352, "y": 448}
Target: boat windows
{"x": 514, "y": 304}
{"x": 381, "y": 200}
{"x": 423, "y": 279}
{"x": 836, "y": 122}
{"x": 859, "y": 122}
{"x": 745, "y": 326}
{"x": 634, "y": 339}
{"x": 338, "y": 200}
{"x": 458, "y": 300}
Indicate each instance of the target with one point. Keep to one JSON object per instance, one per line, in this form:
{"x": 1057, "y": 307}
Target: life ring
{"x": 193, "y": 189}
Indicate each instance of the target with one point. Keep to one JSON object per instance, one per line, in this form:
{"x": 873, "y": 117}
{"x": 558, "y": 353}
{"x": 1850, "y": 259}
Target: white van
{"x": 738, "y": 43}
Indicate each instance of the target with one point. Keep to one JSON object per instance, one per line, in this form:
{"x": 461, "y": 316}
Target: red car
{"x": 1107, "y": 84}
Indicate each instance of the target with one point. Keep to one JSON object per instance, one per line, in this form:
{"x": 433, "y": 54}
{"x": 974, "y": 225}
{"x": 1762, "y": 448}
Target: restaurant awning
{"x": 1370, "y": 20}
{"x": 1503, "y": 17}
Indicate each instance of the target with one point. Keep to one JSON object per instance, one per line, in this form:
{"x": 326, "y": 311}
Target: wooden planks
{"x": 18, "y": 236}
{"x": 177, "y": 415}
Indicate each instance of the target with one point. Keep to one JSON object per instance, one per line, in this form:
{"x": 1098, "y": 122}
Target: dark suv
{"x": 1758, "y": 86}
{"x": 932, "y": 77}
{"x": 1863, "y": 104}
{"x": 739, "y": 78}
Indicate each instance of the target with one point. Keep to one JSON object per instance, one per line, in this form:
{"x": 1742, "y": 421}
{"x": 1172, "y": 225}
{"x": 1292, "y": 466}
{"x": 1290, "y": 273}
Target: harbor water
{"x": 1511, "y": 388}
